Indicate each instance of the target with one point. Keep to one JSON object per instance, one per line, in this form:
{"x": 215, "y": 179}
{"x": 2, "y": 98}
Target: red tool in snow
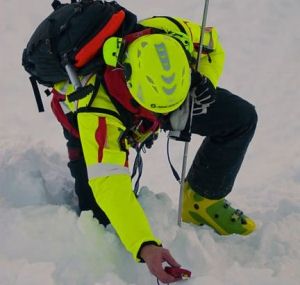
{"x": 178, "y": 272}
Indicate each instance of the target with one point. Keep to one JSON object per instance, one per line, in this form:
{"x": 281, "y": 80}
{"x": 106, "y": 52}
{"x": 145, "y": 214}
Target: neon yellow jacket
{"x": 107, "y": 161}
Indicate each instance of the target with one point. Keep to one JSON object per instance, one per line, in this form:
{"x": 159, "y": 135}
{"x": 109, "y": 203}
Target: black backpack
{"x": 68, "y": 42}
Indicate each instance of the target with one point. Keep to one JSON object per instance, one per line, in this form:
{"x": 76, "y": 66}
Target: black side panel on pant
{"x": 228, "y": 126}
{"x": 82, "y": 188}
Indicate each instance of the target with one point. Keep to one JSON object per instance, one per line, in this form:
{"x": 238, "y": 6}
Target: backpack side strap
{"x": 37, "y": 94}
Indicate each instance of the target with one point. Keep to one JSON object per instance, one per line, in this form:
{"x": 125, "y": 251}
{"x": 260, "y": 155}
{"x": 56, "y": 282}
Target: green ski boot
{"x": 218, "y": 214}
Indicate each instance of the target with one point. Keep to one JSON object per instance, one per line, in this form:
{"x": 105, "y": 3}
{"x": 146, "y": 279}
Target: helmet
{"x": 157, "y": 72}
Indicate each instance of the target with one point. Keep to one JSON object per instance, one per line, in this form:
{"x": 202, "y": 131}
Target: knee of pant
{"x": 253, "y": 118}
{"x": 248, "y": 116}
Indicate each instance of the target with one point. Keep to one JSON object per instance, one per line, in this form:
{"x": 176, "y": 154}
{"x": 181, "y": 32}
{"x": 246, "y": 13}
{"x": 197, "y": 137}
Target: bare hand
{"x": 154, "y": 256}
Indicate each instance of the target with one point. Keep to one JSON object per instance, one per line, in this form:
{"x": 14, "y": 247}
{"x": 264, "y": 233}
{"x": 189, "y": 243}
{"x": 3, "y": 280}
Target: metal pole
{"x": 186, "y": 144}
{"x": 204, "y": 18}
{"x": 183, "y": 171}
{"x": 74, "y": 80}
{"x": 73, "y": 76}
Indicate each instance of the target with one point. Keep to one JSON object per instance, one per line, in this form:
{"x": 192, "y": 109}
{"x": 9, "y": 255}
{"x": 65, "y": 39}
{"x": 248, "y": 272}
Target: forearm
{"x": 115, "y": 196}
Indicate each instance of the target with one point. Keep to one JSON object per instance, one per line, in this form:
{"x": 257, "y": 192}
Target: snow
{"x": 44, "y": 241}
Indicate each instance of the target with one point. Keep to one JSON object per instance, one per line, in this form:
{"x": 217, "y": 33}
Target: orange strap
{"x": 89, "y": 50}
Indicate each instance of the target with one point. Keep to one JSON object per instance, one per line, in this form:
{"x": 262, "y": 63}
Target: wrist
{"x": 144, "y": 249}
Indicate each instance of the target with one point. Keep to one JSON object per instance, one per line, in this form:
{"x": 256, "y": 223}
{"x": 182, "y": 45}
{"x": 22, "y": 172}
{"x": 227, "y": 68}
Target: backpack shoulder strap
{"x": 90, "y": 109}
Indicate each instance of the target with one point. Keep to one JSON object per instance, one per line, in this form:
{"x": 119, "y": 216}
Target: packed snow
{"x": 42, "y": 238}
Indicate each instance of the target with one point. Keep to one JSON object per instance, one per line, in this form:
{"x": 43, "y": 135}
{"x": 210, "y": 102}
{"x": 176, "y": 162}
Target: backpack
{"x": 68, "y": 42}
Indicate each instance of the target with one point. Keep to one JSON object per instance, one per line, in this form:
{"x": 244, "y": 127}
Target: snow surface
{"x": 43, "y": 241}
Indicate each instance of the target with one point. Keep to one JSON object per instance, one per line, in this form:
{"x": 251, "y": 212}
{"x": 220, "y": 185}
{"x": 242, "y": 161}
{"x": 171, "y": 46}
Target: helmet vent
{"x": 183, "y": 76}
{"x": 144, "y": 44}
{"x": 155, "y": 89}
{"x": 150, "y": 79}
{"x": 140, "y": 93}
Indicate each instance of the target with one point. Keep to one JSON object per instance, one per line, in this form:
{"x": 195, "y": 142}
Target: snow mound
{"x": 43, "y": 240}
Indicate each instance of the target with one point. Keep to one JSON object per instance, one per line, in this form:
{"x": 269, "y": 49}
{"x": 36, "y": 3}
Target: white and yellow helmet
{"x": 157, "y": 72}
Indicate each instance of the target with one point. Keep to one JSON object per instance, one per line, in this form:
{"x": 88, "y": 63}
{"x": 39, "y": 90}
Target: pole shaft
{"x": 186, "y": 144}
{"x": 203, "y": 25}
{"x": 74, "y": 80}
{"x": 185, "y": 154}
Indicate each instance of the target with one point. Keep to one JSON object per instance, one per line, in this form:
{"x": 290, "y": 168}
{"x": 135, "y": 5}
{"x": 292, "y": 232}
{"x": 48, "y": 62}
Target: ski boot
{"x": 218, "y": 214}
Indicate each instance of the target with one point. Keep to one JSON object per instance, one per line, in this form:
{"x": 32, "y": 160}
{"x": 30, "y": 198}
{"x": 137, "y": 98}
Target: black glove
{"x": 204, "y": 93}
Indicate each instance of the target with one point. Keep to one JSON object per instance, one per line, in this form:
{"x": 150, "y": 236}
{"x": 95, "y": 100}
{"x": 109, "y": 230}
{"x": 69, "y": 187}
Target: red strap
{"x": 100, "y": 136}
{"x": 117, "y": 88}
{"x": 74, "y": 153}
{"x": 90, "y": 49}
{"x": 133, "y": 36}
